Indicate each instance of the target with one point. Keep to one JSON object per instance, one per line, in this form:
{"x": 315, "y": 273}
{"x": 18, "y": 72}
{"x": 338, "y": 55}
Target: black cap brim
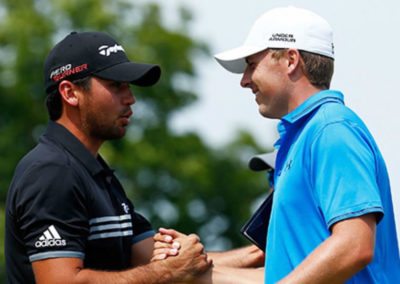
{"x": 135, "y": 73}
{"x": 263, "y": 162}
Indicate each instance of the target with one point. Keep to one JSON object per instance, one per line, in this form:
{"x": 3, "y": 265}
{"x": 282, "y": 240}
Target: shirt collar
{"x": 67, "y": 140}
{"x": 312, "y": 103}
{"x": 304, "y": 109}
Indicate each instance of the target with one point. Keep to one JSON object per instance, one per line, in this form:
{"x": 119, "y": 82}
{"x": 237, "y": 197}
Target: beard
{"x": 101, "y": 125}
{"x": 102, "y": 130}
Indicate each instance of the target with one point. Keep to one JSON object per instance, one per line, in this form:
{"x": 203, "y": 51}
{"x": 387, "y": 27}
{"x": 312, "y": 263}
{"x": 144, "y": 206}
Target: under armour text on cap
{"x": 95, "y": 53}
{"x": 286, "y": 27}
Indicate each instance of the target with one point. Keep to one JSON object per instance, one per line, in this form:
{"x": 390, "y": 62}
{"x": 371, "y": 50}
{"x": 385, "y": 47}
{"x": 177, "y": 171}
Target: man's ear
{"x": 68, "y": 93}
{"x": 294, "y": 59}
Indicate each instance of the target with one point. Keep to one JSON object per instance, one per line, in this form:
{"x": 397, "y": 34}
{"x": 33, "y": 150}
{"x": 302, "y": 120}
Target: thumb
{"x": 171, "y": 232}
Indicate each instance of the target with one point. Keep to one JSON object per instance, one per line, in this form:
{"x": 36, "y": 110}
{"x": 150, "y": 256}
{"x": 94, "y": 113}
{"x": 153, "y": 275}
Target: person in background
{"x": 332, "y": 217}
{"x": 264, "y": 162}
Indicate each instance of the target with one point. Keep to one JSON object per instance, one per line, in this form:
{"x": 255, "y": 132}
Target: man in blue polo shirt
{"x": 332, "y": 219}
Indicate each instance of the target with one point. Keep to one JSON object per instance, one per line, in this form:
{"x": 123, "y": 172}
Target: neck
{"x": 93, "y": 145}
{"x": 301, "y": 92}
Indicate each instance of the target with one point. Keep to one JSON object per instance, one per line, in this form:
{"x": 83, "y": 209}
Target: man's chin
{"x": 267, "y": 114}
{"x": 262, "y": 111}
{"x": 121, "y": 133}
{"x": 118, "y": 133}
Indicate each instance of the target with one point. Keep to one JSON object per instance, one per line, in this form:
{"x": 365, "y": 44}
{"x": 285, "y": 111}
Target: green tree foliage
{"x": 175, "y": 180}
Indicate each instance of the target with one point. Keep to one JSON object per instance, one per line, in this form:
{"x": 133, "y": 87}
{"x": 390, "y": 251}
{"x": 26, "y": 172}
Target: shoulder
{"x": 45, "y": 159}
{"x": 334, "y": 116}
{"x": 46, "y": 168}
{"x": 335, "y": 112}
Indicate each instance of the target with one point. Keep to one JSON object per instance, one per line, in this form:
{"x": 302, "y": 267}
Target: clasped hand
{"x": 183, "y": 254}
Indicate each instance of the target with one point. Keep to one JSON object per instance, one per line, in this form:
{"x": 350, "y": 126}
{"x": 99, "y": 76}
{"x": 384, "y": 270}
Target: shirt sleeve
{"x": 51, "y": 213}
{"x": 142, "y": 228}
{"x": 344, "y": 173}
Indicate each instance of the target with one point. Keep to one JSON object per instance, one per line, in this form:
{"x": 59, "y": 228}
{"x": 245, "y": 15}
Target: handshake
{"x": 185, "y": 258}
{"x": 182, "y": 255}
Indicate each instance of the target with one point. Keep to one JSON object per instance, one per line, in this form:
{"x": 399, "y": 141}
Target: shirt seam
{"x": 56, "y": 254}
{"x": 143, "y": 236}
{"x": 354, "y": 214}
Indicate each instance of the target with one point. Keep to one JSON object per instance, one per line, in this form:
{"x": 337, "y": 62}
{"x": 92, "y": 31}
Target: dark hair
{"x": 317, "y": 68}
{"x": 53, "y": 99}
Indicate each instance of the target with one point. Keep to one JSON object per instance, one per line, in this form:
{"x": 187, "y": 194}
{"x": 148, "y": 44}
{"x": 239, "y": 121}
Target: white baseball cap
{"x": 285, "y": 27}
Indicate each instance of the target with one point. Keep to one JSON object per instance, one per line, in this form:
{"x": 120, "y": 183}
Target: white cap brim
{"x": 263, "y": 162}
{"x": 284, "y": 27}
{"x": 234, "y": 60}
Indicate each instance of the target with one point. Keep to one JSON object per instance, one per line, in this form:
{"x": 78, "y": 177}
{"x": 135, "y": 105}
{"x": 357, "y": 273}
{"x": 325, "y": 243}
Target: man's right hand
{"x": 188, "y": 256}
{"x": 165, "y": 244}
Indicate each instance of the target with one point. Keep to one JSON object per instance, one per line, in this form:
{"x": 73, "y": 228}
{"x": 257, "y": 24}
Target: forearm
{"x": 249, "y": 256}
{"x": 142, "y": 252}
{"x": 140, "y": 275}
{"x": 70, "y": 270}
{"x": 348, "y": 250}
{"x": 229, "y": 275}
{"x": 325, "y": 265}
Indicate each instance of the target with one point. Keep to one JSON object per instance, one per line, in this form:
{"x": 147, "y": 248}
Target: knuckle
{"x": 194, "y": 237}
{"x": 199, "y": 247}
{"x": 158, "y": 245}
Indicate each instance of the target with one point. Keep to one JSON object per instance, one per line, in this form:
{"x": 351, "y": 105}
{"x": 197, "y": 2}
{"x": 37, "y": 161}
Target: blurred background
{"x": 184, "y": 160}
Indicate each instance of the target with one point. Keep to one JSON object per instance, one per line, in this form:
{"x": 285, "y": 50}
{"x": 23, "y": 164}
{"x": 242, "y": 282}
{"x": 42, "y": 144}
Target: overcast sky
{"x": 367, "y": 42}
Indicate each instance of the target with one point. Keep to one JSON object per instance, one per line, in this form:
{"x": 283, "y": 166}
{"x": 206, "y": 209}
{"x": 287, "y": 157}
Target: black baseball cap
{"x": 95, "y": 53}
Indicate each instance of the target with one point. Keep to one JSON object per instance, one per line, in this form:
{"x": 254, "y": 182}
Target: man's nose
{"x": 129, "y": 98}
{"x": 245, "y": 81}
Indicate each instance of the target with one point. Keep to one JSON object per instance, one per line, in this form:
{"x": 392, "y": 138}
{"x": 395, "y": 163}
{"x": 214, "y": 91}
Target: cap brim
{"x": 234, "y": 60}
{"x": 263, "y": 162}
{"x": 135, "y": 73}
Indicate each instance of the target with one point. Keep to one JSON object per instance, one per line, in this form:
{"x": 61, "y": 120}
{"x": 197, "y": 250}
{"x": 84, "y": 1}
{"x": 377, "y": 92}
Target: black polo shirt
{"x": 63, "y": 202}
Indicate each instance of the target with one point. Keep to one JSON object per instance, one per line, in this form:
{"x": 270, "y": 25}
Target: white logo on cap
{"x": 282, "y": 37}
{"x": 107, "y": 50}
{"x": 60, "y": 70}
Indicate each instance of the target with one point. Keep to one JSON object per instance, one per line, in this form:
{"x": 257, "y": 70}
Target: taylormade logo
{"x": 107, "y": 50}
{"x": 50, "y": 238}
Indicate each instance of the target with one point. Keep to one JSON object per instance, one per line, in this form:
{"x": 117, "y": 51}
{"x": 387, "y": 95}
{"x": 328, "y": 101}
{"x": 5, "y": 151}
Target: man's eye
{"x": 252, "y": 65}
{"x": 116, "y": 85}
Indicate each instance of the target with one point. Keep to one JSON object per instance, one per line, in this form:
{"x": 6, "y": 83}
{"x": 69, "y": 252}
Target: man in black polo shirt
{"x": 68, "y": 219}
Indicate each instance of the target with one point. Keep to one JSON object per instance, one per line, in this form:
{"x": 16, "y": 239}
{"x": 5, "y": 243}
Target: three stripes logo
{"x": 50, "y": 238}
{"x": 110, "y": 227}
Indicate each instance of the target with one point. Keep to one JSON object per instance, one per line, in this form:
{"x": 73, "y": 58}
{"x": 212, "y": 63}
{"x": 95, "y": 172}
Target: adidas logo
{"x": 50, "y": 238}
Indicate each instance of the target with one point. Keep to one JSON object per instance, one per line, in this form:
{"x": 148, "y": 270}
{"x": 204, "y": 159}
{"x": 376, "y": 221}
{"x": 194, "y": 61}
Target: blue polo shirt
{"x": 328, "y": 169}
